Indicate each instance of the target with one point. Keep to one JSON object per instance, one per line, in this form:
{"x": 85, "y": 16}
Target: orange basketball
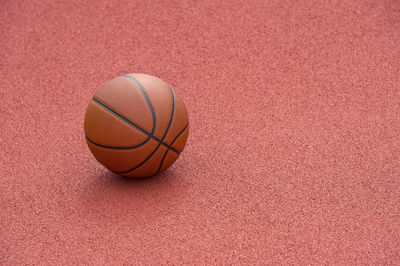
{"x": 136, "y": 125}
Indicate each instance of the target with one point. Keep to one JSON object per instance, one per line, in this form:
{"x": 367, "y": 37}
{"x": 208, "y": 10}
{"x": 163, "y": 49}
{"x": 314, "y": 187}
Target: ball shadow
{"x": 116, "y": 180}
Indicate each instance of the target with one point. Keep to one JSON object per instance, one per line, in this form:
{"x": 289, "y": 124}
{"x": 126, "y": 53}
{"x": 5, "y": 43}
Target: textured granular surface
{"x": 293, "y": 155}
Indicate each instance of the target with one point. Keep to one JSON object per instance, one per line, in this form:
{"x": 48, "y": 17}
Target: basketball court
{"x": 293, "y": 155}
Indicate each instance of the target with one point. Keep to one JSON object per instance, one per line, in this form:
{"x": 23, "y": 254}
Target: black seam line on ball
{"x": 131, "y": 124}
{"x": 150, "y": 135}
{"x": 165, "y": 134}
{"x": 117, "y": 148}
{"x": 147, "y": 100}
{"x": 172, "y": 143}
{"x": 121, "y": 117}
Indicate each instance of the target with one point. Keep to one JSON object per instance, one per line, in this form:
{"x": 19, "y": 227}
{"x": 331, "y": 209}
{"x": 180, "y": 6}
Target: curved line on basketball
{"x": 131, "y": 147}
{"x": 165, "y": 134}
{"x": 117, "y": 147}
{"x": 165, "y": 154}
{"x": 125, "y": 120}
{"x": 130, "y": 123}
{"x": 147, "y": 100}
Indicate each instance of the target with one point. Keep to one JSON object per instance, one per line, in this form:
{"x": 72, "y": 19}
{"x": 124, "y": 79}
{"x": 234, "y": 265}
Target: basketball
{"x": 136, "y": 125}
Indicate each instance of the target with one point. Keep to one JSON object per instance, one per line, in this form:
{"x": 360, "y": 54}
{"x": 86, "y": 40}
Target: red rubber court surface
{"x": 293, "y": 155}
